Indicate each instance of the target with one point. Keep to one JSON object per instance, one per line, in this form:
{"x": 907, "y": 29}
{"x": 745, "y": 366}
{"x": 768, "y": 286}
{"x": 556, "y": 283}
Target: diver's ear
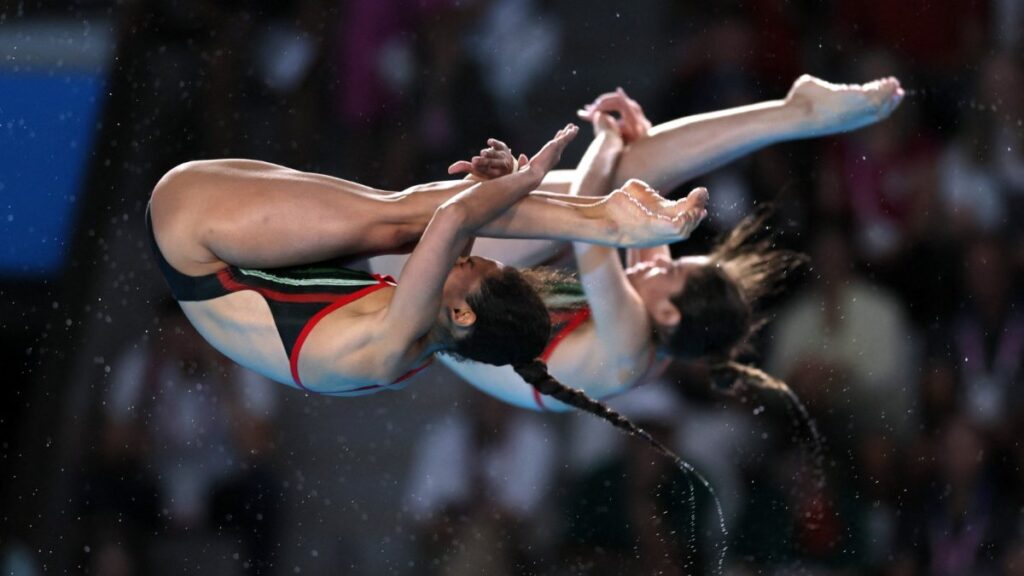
{"x": 666, "y": 314}
{"x": 462, "y": 315}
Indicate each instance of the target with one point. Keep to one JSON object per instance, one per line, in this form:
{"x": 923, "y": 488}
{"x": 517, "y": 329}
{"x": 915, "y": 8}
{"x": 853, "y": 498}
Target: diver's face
{"x": 658, "y": 280}
{"x": 464, "y": 280}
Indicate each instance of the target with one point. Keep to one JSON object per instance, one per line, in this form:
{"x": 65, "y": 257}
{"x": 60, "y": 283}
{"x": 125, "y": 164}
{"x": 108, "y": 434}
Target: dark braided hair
{"x": 535, "y": 372}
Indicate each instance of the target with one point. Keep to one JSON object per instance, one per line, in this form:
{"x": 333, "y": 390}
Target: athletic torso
{"x": 296, "y": 325}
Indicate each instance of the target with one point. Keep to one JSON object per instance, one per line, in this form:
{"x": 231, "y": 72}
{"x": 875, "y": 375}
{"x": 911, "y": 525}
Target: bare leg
{"x": 260, "y": 215}
{"x": 255, "y": 214}
{"x": 677, "y": 151}
{"x": 681, "y": 149}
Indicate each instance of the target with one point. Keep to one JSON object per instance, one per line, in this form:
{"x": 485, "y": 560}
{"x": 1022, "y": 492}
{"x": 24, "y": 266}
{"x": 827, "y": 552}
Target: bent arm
{"x": 414, "y": 307}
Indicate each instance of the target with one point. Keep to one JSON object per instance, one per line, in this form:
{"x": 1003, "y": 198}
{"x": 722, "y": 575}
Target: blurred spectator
{"x": 988, "y": 336}
{"x": 982, "y": 175}
{"x": 843, "y": 344}
{"x": 409, "y": 104}
{"x": 1001, "y": 85}
{"x": 1007, "y": 23}
{"x": 946, "y": 34}
{"x": 883, "y": 176}
{"x": 712, "y": 63}
{"x": 512, "y": 48}
{"x": 957, "y": 524}
{"x": 374, "y": 67}
{"x": 973, "y": 196}
{"x": 939, "y": 394}
{"x": 454, "y": 111}
{"x": 187, "y": 448}
{"x": 478, "y": 481}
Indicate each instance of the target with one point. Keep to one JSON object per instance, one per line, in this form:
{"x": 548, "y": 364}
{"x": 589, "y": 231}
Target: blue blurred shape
{"x": 47, "y": 125}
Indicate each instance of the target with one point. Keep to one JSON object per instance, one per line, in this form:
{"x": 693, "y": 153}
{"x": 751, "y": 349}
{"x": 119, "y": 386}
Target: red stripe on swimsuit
{"x": 569, "y": 321}
{"x": 338, "y": 302}
{"x": 298, "y": 296}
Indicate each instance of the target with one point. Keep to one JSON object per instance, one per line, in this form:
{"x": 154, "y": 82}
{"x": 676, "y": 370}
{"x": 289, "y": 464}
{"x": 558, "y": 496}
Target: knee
{"x": 177, "y": 179}
{"x": 175, "y": 197}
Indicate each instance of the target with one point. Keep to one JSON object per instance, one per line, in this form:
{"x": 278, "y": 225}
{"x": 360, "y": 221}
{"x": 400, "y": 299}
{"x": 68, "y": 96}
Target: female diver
{"x": 235, "y": 240}
{"x": 657, "y": 309}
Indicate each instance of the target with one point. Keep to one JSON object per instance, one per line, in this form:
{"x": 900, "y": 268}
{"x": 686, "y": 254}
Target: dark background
{"x": 912, "y": 371}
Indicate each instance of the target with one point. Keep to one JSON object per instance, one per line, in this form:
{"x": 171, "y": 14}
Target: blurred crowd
{"x": 904, "y": 337}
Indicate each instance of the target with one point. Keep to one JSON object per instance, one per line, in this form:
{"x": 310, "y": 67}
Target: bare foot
{"x": 833, "y": 108}
{"x": 645, "y": 218}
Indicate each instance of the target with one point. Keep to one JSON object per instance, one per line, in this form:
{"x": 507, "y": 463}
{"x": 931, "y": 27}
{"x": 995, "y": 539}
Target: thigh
{"x": 254, "y": 214}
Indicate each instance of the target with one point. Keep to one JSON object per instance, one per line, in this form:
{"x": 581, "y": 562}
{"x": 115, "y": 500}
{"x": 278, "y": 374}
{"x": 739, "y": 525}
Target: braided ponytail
{"x": 536, "y": 374}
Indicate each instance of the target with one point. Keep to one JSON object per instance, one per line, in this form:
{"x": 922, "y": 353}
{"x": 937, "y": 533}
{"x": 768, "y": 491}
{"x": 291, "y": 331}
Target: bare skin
{"x": 614, "y": 350}
{"x": 206, "y": 215}
{"x": 209, "y": 215}
{"x": 674, "y": 152}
